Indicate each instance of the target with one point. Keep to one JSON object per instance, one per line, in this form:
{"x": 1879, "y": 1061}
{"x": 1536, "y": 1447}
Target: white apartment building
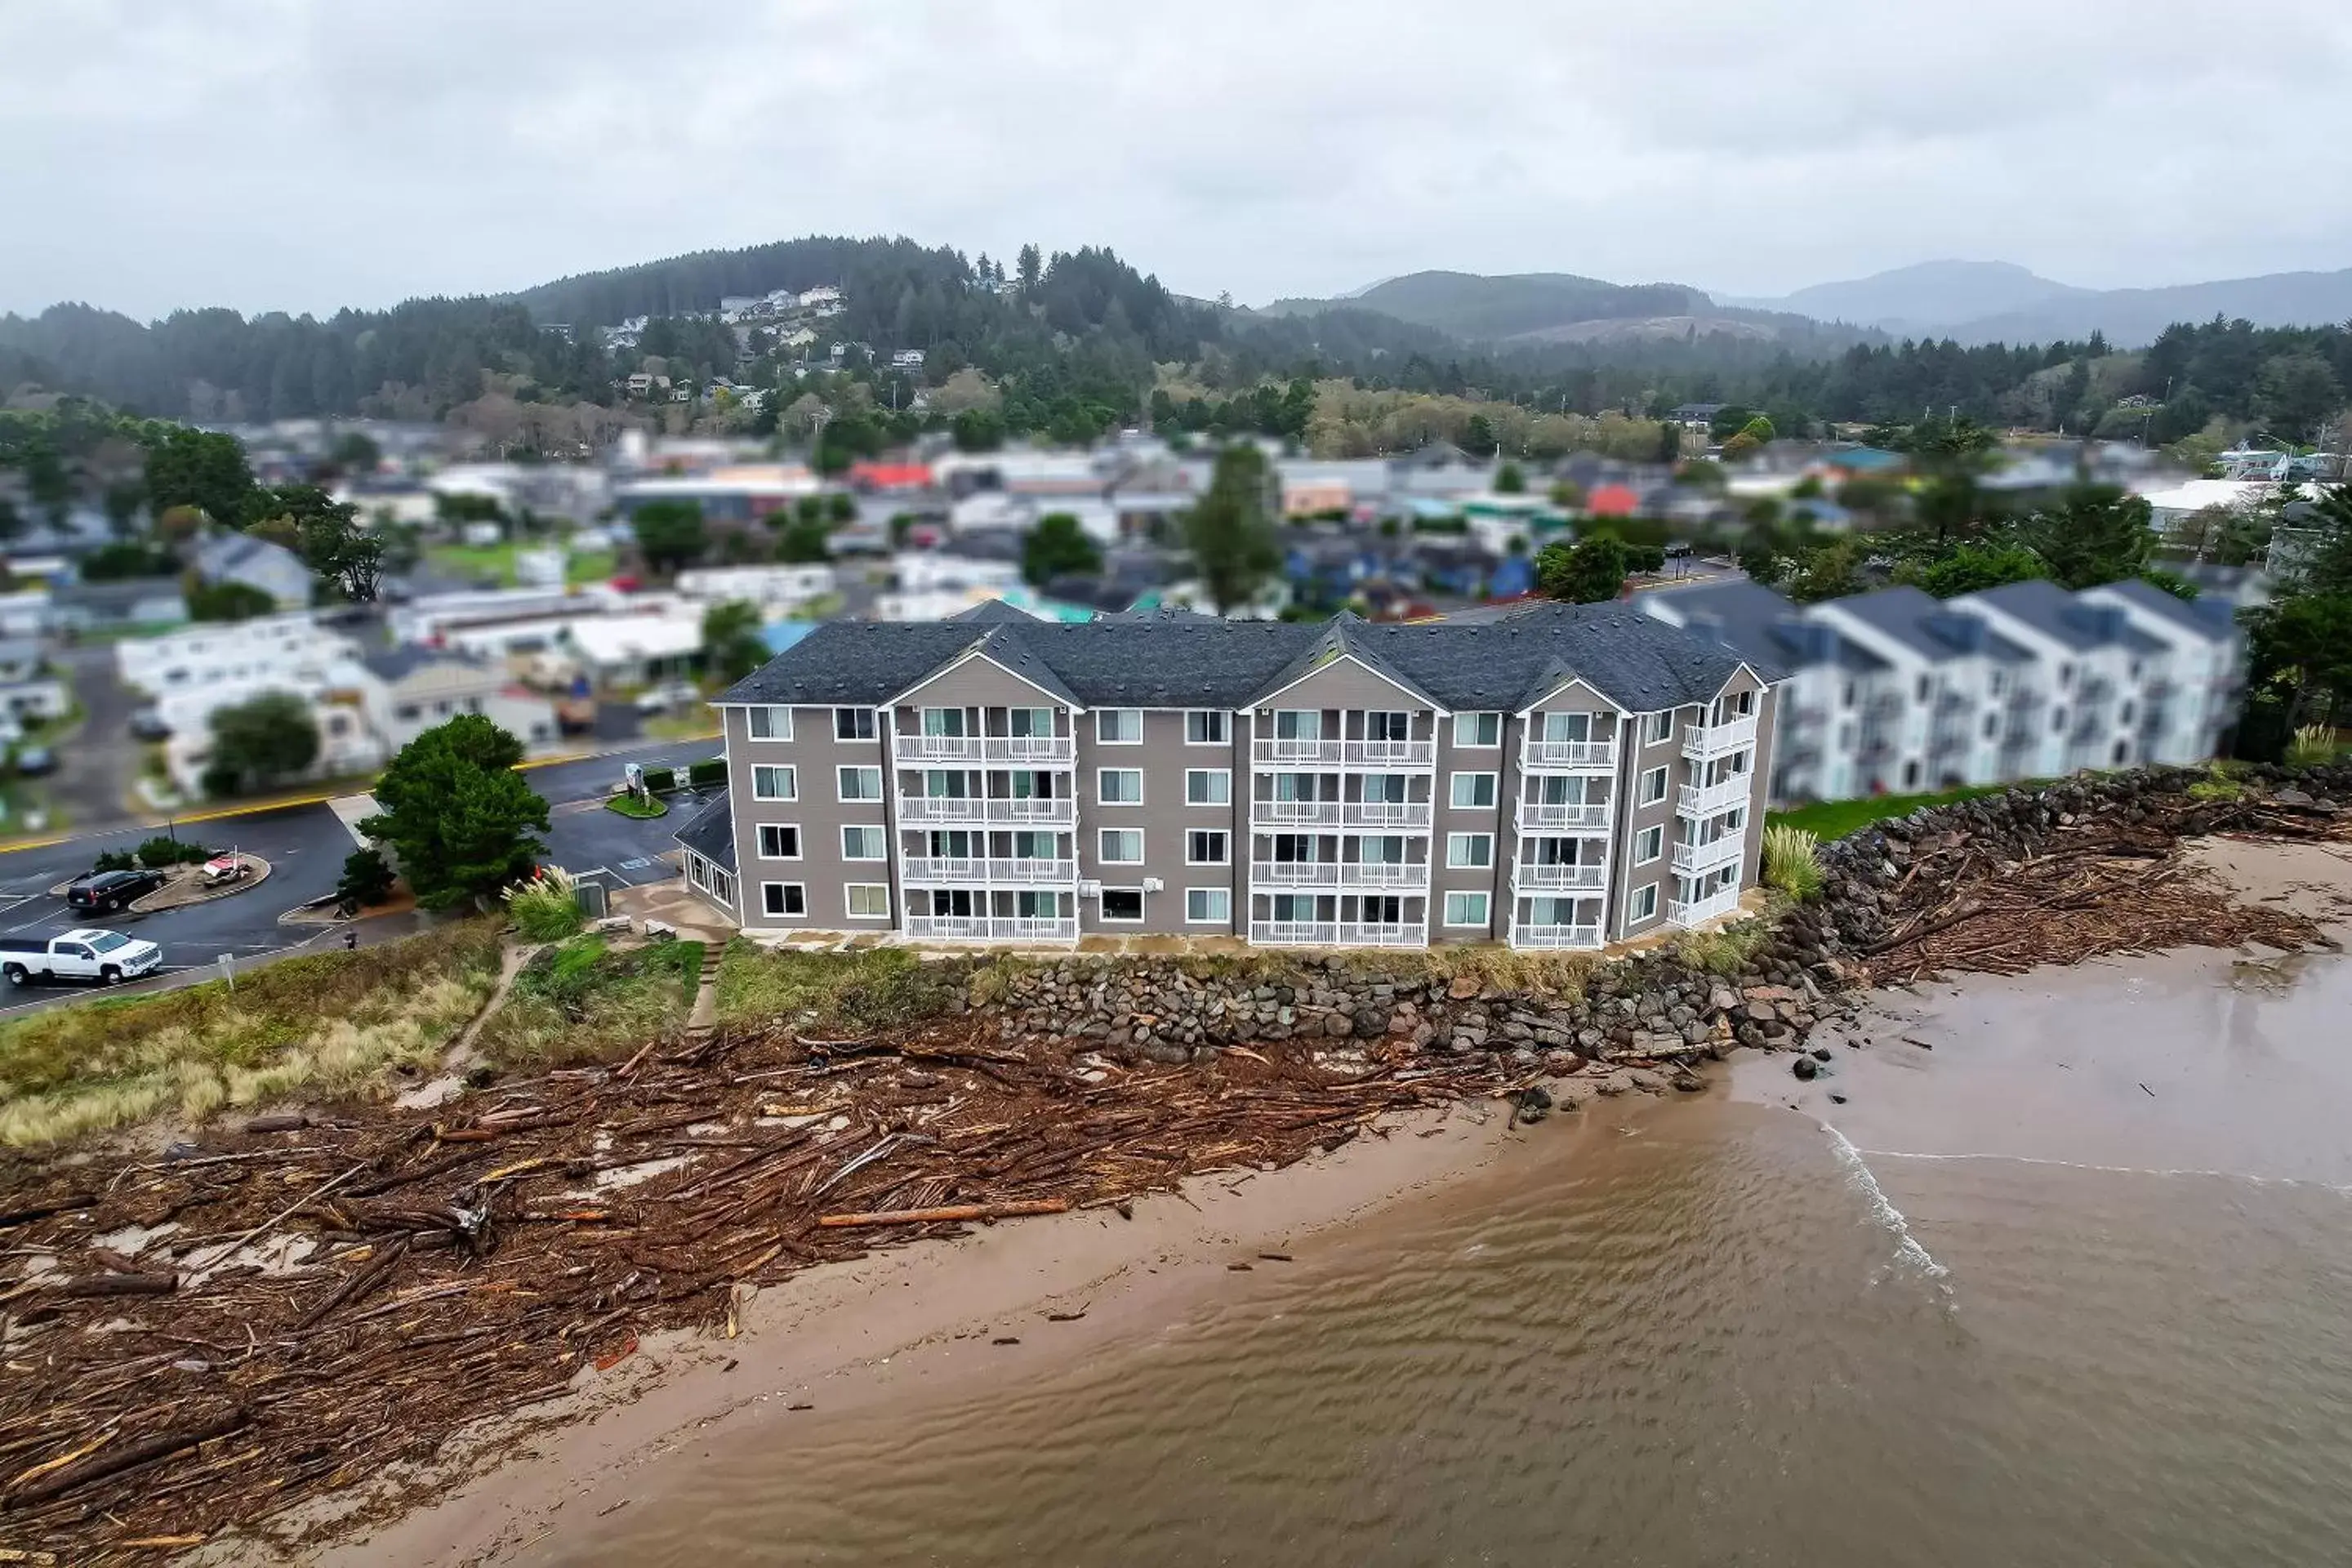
{"x": 1894, "y": 692}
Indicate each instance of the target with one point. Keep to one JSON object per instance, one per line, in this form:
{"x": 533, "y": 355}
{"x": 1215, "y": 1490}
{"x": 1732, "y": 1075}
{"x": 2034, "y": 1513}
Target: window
{"x": 1122, "y": 906}
{"x": 1119, "y": 786}
{"x": 408, "y": 710}
{"x": 1206, "y": 727}
{"x": 861, "y": 784}
{"x": 1122, "y": 845}
{"x": 1469, "y": 851}
{"x": 1657, "y": 727}
{"x": 784, "y": 901}
{"x": 868, "y": 900}
{"x": 1298, "y": 724}
{"x": 1205, "y": 849}
{"x": 779, "y": 841}
{"x": 1380, "y": 850}
{"x": 1119, "y": 726}
{"x": 1645, "y": 901}
{"x": 1207, "y": 787}
{"x": 1473, "y": 790}
{"x": 1030, "y": 724}
{"x": 1567, "y": 726}
{"x": 1654, "y": 786}
{"x": 865, "y": 844}
{"x": 770, "y": 723}
{"x": 1478, "y": 729}
{"x": 1465, "y": 908}
{"x": 1208, "y": 906}
{"x": 853, "y": 723}
{"x": 944, "y": 722}
{"x": 1649, "y": 844}
{"x": 1388, "y": 726}
{"x": 770, "y": 783}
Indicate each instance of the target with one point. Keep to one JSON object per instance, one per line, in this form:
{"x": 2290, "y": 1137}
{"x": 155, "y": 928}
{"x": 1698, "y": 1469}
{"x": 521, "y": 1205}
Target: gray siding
{"x": 1164, "y": 819}
{"x": 819, "y": 814}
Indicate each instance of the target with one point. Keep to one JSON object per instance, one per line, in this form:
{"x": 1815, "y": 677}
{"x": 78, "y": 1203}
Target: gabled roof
{"x": 711, "y": 833}
{"x": 2192, "y": 615}
{"x": 1759, "y": 623}
{"x": 1339, "y": 639}
{"x": 1638, "y": 663}
{"x": 994, "y": 612}
{"x": 400, "y": 663}
{"x": 2060, "y": 616}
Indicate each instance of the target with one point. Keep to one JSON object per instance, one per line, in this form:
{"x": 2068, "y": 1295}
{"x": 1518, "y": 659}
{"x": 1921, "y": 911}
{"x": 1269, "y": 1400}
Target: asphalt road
{"x": 305, "y": 847}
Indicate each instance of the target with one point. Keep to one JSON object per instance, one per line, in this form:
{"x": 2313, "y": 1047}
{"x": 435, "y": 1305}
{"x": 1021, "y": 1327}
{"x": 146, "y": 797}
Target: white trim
{"x": 1634, "y": 898}
{"x": 841, "y": 740}
{"x": 1103, "y": 739}
{"x": 1642, "y": 795}
{"x": 848, "y": 914}
{"x": 1609, "y": 702}
{"x": 1266, "y": 699}
{"x": 1641, "y": 859}
{"x": 849, "y": 827}
{"x": 792, "y": 779}
{"x": 1454, "y": 865}
{"x": 1216, "y": 712}
{"x": 1141, "y": 911}
{"x": 1102, "y": 857}
{"x": 1496, "y": 745}
{"x": 768, "y": 914}
{"x": 1490, "y": 776}
{"x": 750, "y": 711}
{"x": 1224, "y": 920}
{"x": 1486, "y": 909}
{"x": 1101, "y": 800}
{"x": 965, "y": 657}
{"x": 760, "y": 843}
{"x": 1225, "y": 833}
{"x": 1226, "y": 774}
{"x": 861, "y": 769}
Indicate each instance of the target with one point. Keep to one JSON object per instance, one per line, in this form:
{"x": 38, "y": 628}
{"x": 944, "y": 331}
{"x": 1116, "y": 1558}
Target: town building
{"x": 1895, "y": 691}
{"x": 1564, "y": 777}
{"x": 257, "y": 563}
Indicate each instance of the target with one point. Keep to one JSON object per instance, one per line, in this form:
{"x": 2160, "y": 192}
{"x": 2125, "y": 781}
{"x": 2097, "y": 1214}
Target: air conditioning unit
{"x": 1090, "y": 890}
{"x": 1153, "y": 885}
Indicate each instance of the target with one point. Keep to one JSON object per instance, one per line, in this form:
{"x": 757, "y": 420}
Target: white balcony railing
{"x": 1534, "y": 814}
{"x": 958, "y": 869}
{"x": 1540, "y": 878}
{"x": 1356, "y": 933}
{"x": 1308, "y": 813}
{"x": 1703, "y": 742}
{"x": 1295, "y": 933}
{"x": 1692, "y": 912}
{"x": 1336, "y": 874}
{"x": 1692, "y": 859}
{"x": 986, "y": 928}
{"x": 1345, "y": 754}
{"x": 1025, "y": 811}
{"x": 1706, "y": 800}
{"x": 1384, "y": 814}
{"x": 1555, "y": 936}
{"x": 1015, "y": 750}
{"x": 1573, "y": 756}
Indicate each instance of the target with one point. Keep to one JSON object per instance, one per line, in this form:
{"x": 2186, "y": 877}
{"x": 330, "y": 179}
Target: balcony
{"x": 1691, "y": 912}
{"x": 1706, "y": 800}
{"x": 1337, "y": 874}
{"x": 2023, "y": 699}
{"x": 1345, "y": 754}
{"x": 1294, "y": 933}
{"x": 1018, "y": 750}
{"x": 1353, "y": 933}
{"x": 1885, "y": 705}
{"x": 1701, "y": 743}
{"x": 1301, "y": 813}
{"x": 984, "y": 928}
{"x": 1696, "y": 859}
{"x": 959, "y": 870}
{"x": 1029, "y": 811}
{"x": 1568, "y": 756}
{"x": 1559, "y": 878}
{"x": 1952, "y": 701}
{"x": 1554, "y": 937}
{"x": 1339, "y": 814}
{"x": 1384, "y": 814}
{"x": 1535, "y": 815}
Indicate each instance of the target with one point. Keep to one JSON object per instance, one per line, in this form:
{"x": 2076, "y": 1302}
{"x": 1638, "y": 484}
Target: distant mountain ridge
{"x": 1999, "y": 301}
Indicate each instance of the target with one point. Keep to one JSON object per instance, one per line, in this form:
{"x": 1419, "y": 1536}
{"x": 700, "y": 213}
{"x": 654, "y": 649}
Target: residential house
{"x": 2190, "y": 706}
{"x": 777, "y": 590}
{"x": 416, "y": 688}
{"x": 126, "y": 604}
{"x": 2102, "y": 666}
{"x": 1568, "y": 776}
{"x": 229, "y": 653}
{"x": 257, "y": 563}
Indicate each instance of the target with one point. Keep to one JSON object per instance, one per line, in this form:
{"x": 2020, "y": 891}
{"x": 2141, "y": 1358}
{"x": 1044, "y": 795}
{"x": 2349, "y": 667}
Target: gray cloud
{"x": 276, "y": 153}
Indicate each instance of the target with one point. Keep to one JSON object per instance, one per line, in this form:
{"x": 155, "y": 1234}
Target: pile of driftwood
{"x": 196, "y": 1341}
{"x": 2103, "y": 884}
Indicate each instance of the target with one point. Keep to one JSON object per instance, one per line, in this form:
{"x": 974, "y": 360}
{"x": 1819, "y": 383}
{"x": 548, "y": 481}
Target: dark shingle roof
{"x": 1636, "y": 661}
{"x": 711, "y": 833}
{"x": 2196, "y": 614}
{"x": 993, "y": 612}
{"x": 399, "y": 663}
{"x": 1756, "y": 621}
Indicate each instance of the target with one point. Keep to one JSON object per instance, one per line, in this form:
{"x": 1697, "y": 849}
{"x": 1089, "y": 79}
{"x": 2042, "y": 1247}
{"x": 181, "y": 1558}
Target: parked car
{"x": 147, "y": 725}
{"x": 668, "y": 694}
{"x": 220, "y": 869}
{"x": 105, "y": 956}
{"x": 103, "y": 892}
{"x": 31, "y": 760}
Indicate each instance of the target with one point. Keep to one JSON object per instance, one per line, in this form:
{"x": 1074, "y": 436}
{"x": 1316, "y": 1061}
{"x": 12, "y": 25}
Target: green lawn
{"x": 472, "y": 562}
{"x": 643, "y": 810}
{"x": 1828, "y": 819}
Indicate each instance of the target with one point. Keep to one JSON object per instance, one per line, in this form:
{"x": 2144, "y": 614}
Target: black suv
{"x": 102, "y": 892}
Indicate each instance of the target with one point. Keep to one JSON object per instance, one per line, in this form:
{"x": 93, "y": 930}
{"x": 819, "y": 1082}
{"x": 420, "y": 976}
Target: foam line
{"x": 2117, "y": 1169}
{"x": 1858, "y": 1176}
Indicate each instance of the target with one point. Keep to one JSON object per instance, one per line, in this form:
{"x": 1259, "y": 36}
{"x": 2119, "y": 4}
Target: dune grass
{"x": 1792, "y": 860}
{"x": 875, "y": 988}
{"x": 327, "y": 1025}
{"x": 582, "y": 1001}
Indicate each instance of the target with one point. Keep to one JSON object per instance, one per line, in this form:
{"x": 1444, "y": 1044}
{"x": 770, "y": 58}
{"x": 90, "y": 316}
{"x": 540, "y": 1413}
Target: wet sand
{"x": 2047, "y": 1065}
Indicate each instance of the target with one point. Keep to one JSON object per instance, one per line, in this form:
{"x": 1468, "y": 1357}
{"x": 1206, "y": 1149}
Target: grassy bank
{"x": 329, "y": 1024}
{"x": 1828, "y": 819}
{"x": 852, "y": 992}
{"x": 581, "y": 1001}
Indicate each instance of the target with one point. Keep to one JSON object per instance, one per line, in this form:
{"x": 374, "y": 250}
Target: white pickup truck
{"x": 105, "y": 956}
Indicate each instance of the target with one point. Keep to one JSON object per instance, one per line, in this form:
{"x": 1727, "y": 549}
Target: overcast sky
{"x": 279, "y": 154}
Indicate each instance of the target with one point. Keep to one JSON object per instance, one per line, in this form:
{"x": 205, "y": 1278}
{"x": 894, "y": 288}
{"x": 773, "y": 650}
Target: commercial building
{"x": 1564, "y": 777}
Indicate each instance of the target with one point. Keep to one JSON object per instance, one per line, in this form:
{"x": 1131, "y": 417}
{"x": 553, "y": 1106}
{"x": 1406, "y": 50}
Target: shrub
{"x": 709, "y": 772}
{"x": 165, "y": 850}
{"x": 661, "y": 781}
{"x": 114, "y": 860}
{"x": 367, "y": 879}
{"x": 1793, "y": 861}
{"x": 2314, "y": 746}
{"x": 544, "y": 907}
